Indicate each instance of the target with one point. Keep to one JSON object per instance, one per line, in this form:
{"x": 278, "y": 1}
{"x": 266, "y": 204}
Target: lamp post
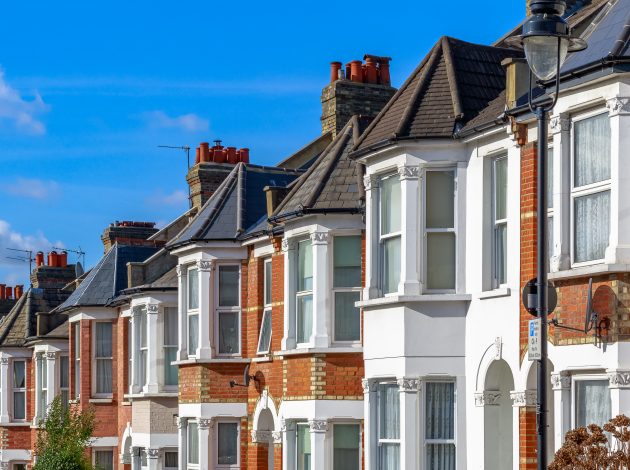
{"x": 546, "y": 39}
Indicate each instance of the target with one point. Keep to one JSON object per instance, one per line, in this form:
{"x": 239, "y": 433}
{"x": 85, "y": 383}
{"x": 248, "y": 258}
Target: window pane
{"x": 389, "y": 411}
{"x": 64, "y": 372}
{"x": 19, "y": 377}
{"x": 193, "y": 333}
{"x": 264, "y": 341}
{"x": 440, "y": 199}
{"x": 103, "y": 339}
{"x": 550, "y": 236}
{"x": 303, "y": 447}
{"x": 228, "y": 286}
{"x": 305, "y": 266}
{"x": 346, "y": 441}
{"x": 267, "y": 282}
{"x": 592, "y": 150}
{"x": 227, "y": 444}
{"x": 347, "y": 316}
{"x": 441, "y": 456}
{"x": 143, "y": 329}
{"x": 170, "y": 459}
{"x": 592, "y": 226}
{"x": 391, "y": 264}
{"x": 19, "y": 405}
{"x": 593, "y": 402}
{"x": 500, "y": 253}
{"x": 440, "y": 409}
{"x": 193, "y": 443}
{"x": 389, "y": 456}
{"x": 550, "y": 177}
{"x": 170, "y": 326}
{"x": 304, "y": 318}
{"x": 104, "y": 376}
{"x": 390, "y": 205}
{"x": 104, "y": 460}
{"x": 500, "y": 188}
{"x": 441, "y": 260}
{"x": 170, "y": 370}
{"x": 347, "y": 261}
{"x": 228, "y": 332}
{"x": 193, "y": 289}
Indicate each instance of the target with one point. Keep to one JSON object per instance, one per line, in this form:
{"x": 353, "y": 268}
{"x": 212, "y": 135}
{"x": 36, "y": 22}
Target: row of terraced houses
{"x": 356, "y": 306}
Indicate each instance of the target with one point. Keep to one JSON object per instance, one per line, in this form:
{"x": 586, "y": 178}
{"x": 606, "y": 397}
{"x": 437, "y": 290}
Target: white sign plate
{"x": 533, "y": 352}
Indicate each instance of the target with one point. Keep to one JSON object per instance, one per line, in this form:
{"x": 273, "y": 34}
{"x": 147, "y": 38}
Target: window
{"x": 303, "y": 447}
{"x": 592, "y": 401}
{"x": 388, "y": 427}
{"x": 103, "y": 358}
{"x": 193, "y": 311}
{"x": 304, "y": 297}
{"x": 19, "y": 466}
{"x": 104, "y": 459}
{"x": 390, "y": 233}
{"x": 346, "y": 447}
{"x": 170, "y": 460}
{"x": 440, "y": 229}
{"x": 170, "y": 346}
{"x": 227, "y": 445}
{"x": 440, "y": 425}
{"x": 144, "y": 346}
{"x": 228, "y": 309}
{"x": 19, "y": 390}
{"x": 550, "y": 201}
{"x": 590, "y": 191}
{"x": 64, "y": 379}
{"x": 42, "y": 386}
{"x": 264, "y": 340}
{"x": 77, "y": 360}
{"x": 193, "y": 445}
{"x": 499, "y": 220}
{"x": 347, "y": 288}
{"x": 130, "y": 355}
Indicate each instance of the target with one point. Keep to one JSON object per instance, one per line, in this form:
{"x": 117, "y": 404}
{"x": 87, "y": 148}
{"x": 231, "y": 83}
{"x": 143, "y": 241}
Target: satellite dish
{"x": 588, "y": 320}
{"x": 78, "y": 269}
{"x": 246, "y": 377}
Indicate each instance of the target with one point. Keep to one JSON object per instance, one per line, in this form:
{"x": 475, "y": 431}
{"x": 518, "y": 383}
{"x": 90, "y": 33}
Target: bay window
{"x": 77, "y": 360}
{"x": 590, "y": 192}
{"x": 550, "y": 218}
{"x": 591, "y": 398}
{"x": 193, "y": 310}
{"x": 19, "y": 390}
{"x": 440, "y": 235}
{"x": 103, "y": 357}
{"x": 264, "y": 339}
{"x": 390, "y": 233}
{"x": 144, "y": 347}
{"x": 303, "y": 447}
{"x": 439, "y": 437}
{"x": 304, "y": 295}
{"x": 192, "y": 449}
{"x": 388, "y": 426}
{"x": 346, "y": 447}
{"x": 64, "y": 379}
{"x": 170, "y": 346}
{"x": 346, "y": 288}
{"x": 228, "y": 309}
{"x": 42, "y": 385}
{"x": 227, "y": 445}
{"x": 499, "y": 220}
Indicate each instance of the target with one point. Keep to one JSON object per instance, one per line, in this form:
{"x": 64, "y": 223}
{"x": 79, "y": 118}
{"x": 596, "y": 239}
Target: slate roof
{"x": 107, "y": 278}
{"x": 332, "y": 182}
{"x": 238, "y": 203}
{"x": 452, "y": 84}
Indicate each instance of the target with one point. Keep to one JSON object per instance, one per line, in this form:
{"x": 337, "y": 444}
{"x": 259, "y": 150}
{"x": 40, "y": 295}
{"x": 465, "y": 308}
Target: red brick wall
{"x": 527, "y": 441}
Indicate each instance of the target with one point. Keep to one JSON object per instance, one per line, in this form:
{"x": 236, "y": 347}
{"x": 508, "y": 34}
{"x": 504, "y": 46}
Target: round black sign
{"x": 530, "y": 297}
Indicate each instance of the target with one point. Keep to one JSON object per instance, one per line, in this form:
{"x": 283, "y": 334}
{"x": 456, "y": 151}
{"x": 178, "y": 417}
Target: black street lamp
{"x": 546, "y": 39}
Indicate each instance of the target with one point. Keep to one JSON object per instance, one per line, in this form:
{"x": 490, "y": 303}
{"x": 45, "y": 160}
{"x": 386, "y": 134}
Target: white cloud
{"x": 18, "y": 112}
{"x": 176, "y": 198}
{"x": 9, "y": 238}
{"x": 33, "y": 188}
{"x": 185, "y": 122}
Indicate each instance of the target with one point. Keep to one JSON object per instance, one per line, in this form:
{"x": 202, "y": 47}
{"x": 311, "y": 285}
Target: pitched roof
{"x": 332, "y": 182}
{"x": 453, "y": 83}
{"x": 107, "y": 278}
{"x": 238, "y": 203}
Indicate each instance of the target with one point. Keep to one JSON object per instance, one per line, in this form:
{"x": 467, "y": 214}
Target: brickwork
{"x": 204, "y": 179}
{"x": 527, "y": 441}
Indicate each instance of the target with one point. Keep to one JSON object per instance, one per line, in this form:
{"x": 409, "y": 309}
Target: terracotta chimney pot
{"x": 204, "y": 152}
{"x": 371, "y": 73}
{"x": 39, "y": 258}
{"x": 231, "y": 155}
{"x": 19, "y": 291}
{"x": 356, "y": 71}
{"x": 3, "y": 291}
{"x": 63, "y": 259}
{"x": 245, "y": 155}
{"x": 53, "y": 259}
{"x": 197, "y": 156}
{"x": 335, "y": 67}
{"x": 384, "y": 72}
{"x": 9, "y": 293}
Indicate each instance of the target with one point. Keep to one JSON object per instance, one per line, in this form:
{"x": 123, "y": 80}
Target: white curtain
{"x": 347, "y": 316}
{"x": 228, "y": 286}
{"x": 390, "y": 205}
{"x": 193, "y": 443}
{"x": 305, "y": 266}
{"x": 592, "y": 150}
{"x": 193, "y": 333}
{"x": 391, "y": 264}
{"x": 103, "y": 357}
{"x": 593, "y": 402}
{"x": 193, "y": 289}
{"x": 104, "y": 459}
{"x": 346, "y": 438}
{"x": 440, "y": 425}
{"x": 170, "y": 345}
{"x": 227, "y": 444}
{"x": 389, "y": 426}
{"x": 228, "y": 332}
{"x": 592, "y": 226}
{"x": 347, "y": 261}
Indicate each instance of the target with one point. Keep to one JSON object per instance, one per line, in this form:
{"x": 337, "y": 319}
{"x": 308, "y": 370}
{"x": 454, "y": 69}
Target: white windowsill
{"x": 592, "y": 270}
{"x": 151, "y": 395}
{"x": 494, "y": 293}
{"x": 263, "y": 358}
{"x": 397, "y": 299}
{"x": 331, "y": 350}
{"x": 225, "y": 360}
{"x": 101, "y": 400}
{"x": 16, "y": 424}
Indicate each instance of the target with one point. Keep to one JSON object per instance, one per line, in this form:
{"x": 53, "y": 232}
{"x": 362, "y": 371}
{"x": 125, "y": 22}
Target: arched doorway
{"x": 498, "y": 417}
{"x": 266, "y": 431}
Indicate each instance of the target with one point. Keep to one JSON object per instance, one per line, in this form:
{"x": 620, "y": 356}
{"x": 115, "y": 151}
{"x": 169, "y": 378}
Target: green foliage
{"x": 63, "y": 437}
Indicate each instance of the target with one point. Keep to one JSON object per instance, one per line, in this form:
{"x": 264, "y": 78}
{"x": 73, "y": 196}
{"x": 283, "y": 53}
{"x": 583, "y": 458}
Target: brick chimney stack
{"x": 128, "y": 233}
{"x": 360, "y": 88}
{"x": 55, "y": 275}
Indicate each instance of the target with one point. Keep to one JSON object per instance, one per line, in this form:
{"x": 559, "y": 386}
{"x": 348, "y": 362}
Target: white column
{"x": 4, "y": 395}
{"x": 206, "y": 310}
{"x": 153, "y": 456}
{"x": 561, "y": 131}
{"x": 619, "y": 381}
{"x": 135, "y": 322}
{"x": 369, "y": 418}
{"x": 561, "y": 384}
{"x": 321, "y": 290}
{"x": 409, "y": 391}
{"x": 182, "y": 318}
{"x": 318, "y": 428}
{"x": 151, "y": 385}
{"x": 51, "y": 376}
{"x": 182, "y": 443}
{"x": 288, "y": 444}
{"x": 290, "y": 285}
{"x": 409, "y": 264}
{"x": 371, "y": 290}
{"x": 205, "y": 454}
{"x": 618, "y": 251}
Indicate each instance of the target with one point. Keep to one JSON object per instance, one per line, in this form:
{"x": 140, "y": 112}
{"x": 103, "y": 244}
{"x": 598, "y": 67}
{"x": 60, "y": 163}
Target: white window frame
{"x": 295, "y": 444}
{"x": 41, "y": 364}
{"x": 96, "y": 394}
{"x": 143, "y": 351}
{"x": 103, "y": 449}
{"x": 218, "y": 309}
{"x": 60, "y": 371}
{"x": 336, "y": 290}
{"x": 189, "y": 465}
{"x": 425, "y": 441}
{"x": 332, "y": 440}
{"x": 191, "y": 312}
{"x": 426, "y": 230}
{"x": 130, "y": 355}
{"x": 382, "y": 238}
{"x": 77, "y": 360}
{"x": 173, "y": 450}
{"x": 215, "y": 439}
{"x": 550, "y": 201}
{"x": 584, "y": 377}
{"x": 304, "y": 293}
{"x": 166, "y": 346}
{"x": 496, "y": 223}
{"x": 378, "y": 439}
{"x": 587, "y": 190}
{"x": 267, "y": 306}
{"x": 15, "y": 390}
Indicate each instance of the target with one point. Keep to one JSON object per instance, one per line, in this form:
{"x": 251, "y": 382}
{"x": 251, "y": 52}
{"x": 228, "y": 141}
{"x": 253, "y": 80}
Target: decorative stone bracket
{"x": 487, "y": 398}
{"x": 526, "y": 398}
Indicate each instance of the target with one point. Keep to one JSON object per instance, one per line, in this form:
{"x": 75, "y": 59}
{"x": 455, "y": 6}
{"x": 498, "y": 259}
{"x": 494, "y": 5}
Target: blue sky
{"x": 88, "y": 90}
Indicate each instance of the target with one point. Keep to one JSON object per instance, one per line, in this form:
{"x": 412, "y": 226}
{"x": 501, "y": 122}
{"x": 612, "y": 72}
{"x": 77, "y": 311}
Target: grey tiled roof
{"x": 237, "y": 204}
{"x": 108, "y": 277}
{"x": 453, "y": 83}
